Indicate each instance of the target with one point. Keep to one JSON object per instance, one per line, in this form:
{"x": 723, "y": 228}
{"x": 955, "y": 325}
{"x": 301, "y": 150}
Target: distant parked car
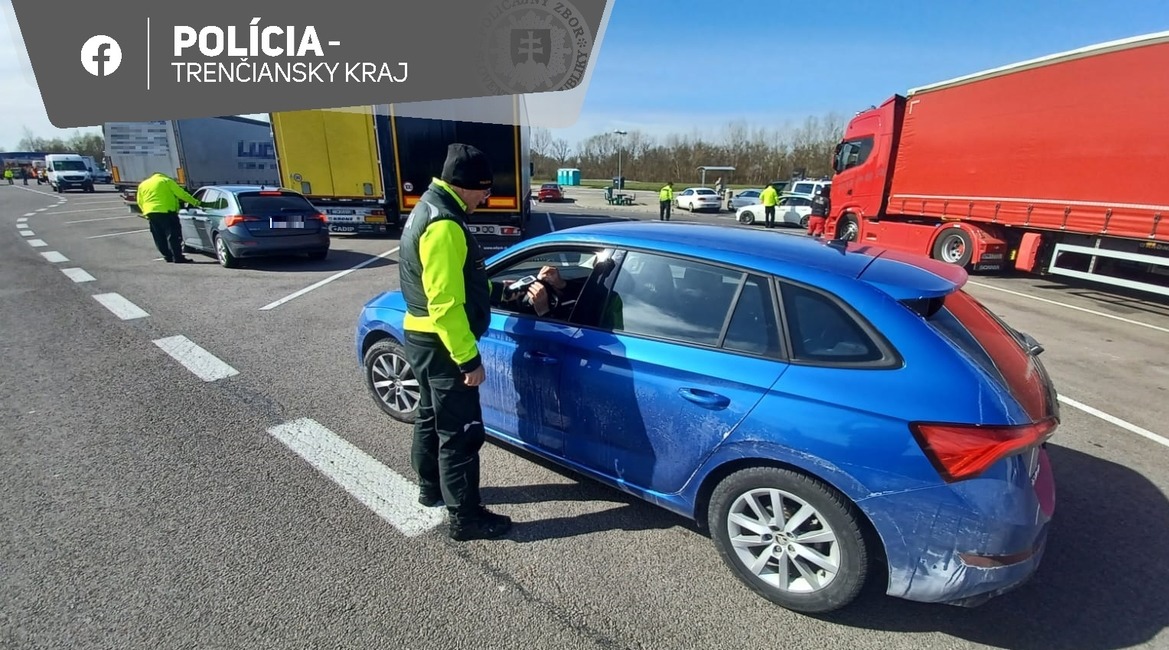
{"x": 550, "y": 192}
{"x": 791, "y": 210}
{"x": 745, "y": 197}
{"x": 247, "y": 221}
{"x": 805, "y": 188}
{"x": 828, "y": 412}
{"x": 698, "y": 198}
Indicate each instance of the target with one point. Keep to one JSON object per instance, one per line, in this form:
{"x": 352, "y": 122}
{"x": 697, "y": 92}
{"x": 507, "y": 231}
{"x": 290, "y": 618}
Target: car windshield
{"x": 69, "y": 166}
{"x": 264, "y": 203}
{"x": 995, "y": 347}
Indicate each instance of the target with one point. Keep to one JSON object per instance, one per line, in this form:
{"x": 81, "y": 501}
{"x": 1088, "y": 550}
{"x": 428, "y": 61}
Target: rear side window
{"x": 282, "y": 203}
{"x": 823, "y": 332}
{"x": 994, "y": 347}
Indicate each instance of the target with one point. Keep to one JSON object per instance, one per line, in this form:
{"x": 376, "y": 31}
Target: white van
{"x": 68, "y": 171}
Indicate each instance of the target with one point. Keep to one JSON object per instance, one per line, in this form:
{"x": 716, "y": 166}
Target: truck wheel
{"x": 953, "y": 246}
{"x": 847, "y": 229}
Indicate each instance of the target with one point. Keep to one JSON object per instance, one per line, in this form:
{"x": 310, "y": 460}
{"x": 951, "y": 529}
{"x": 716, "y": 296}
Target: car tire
{"x": 953, "y": 246}
{"x": 831, "y": 515}
{"x": 747, "y": 218}
{"x": 804, "y": 221}
{"x": 223, "y": 254}
{"x": 386, "y": 361}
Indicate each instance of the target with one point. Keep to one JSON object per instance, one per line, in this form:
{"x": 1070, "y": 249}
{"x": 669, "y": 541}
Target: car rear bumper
{"x": 966, "y": 543}
{"x": 244, "y": 245}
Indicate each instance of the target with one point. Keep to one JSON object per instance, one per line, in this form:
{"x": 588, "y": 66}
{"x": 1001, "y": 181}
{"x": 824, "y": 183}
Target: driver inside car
{"x": 541, "y": 294}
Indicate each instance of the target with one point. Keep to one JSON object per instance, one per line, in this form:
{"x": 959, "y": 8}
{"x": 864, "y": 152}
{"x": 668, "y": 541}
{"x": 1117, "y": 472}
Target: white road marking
{"x": 126, "y": 216}
{"x": 1064, "y": 304}
{"x": 551, "y": 226}
{"x": 30, "y": 214}
{"x": 293, "y": 296}
{"x": 54, "y": 256}
{"x": 41, "y": 209}
{"x": 1129, "y": 426}
{"x": 78, "y": 275}
{"x": 37, "y": 243}
{"x": 52, "y": 194}
{"x": 391, "y": 496}
{"x": 120, "y": 307}
{"x": 22, "y": 220}
{"x": 53, "y": 214}
{"x": 115, "y": 234}
{"x": 26, "y": 233}
{"x": 203, "y": 364}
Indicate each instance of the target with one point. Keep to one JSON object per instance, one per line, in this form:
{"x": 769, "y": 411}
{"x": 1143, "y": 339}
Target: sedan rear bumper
{"x": 247, "y": 246}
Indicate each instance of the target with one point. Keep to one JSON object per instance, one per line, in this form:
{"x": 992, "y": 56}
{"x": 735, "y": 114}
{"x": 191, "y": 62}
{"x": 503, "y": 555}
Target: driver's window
{"x": 572, "y": 265}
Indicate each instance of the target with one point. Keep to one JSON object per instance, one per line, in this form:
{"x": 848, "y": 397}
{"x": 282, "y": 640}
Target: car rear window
{"x": 260, "y": 203}
{"x": 994, "y": 346}
{"x": 549, "y": 187}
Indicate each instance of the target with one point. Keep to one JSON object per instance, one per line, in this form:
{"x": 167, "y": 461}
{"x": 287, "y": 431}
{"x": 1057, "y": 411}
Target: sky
{"x": 685, "y": 66}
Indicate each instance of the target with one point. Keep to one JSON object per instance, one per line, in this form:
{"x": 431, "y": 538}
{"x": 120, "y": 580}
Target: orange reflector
{"x": 410, "y": 201}
{"x": 501, "y": 202}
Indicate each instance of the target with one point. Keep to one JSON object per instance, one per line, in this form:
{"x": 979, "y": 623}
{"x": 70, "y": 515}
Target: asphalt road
{"x": 150, "y": 504}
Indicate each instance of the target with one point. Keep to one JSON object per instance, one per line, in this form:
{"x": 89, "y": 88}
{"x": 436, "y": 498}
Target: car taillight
{"x": 235, "y": 219}
{"x": 960, "y": 451}
{"x": 320, "y": 216}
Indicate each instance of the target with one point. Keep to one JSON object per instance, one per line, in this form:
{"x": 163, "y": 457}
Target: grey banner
{"x": 139, "y": 60}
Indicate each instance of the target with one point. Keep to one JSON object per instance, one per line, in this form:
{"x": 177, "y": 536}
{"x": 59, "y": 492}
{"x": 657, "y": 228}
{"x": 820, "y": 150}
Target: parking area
{"x": 195, "y": 460}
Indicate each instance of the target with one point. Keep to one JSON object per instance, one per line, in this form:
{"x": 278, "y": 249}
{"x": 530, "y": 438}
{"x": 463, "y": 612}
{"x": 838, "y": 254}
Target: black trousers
{"x": 664, "y": 211}
{"x": 448, "y": 432}
{"x": 168, "y": 235}
{"x": 769, "y": 215}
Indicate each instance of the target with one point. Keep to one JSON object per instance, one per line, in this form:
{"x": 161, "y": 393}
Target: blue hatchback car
{"x": 826, "y": 411}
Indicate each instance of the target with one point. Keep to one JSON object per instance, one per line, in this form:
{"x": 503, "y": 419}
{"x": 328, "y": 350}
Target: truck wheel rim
{"x": 783, "y": 540}
{"x": 849, "y": 233}
{"x": 394, "y": 383}
{"x": 953, "y": 249}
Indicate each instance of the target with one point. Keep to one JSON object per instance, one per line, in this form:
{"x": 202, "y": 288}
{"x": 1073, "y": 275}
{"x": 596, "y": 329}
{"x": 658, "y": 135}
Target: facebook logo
{"x": 101, "y": 56}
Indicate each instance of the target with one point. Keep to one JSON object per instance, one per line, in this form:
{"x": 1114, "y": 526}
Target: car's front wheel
{"x": 391, "y": 380}
{"x": 791, "y": 538}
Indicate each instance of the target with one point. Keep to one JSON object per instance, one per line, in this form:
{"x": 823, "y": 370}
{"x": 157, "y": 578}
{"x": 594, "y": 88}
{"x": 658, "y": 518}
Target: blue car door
{"x": 524, "y": 353}
{"x": 679, "y": 354}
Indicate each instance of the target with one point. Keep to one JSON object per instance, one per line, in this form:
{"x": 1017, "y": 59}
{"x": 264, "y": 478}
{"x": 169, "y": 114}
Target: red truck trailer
{"x": 1055, "y": 165}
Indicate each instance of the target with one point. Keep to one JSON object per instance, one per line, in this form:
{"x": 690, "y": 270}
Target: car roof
{"x": 901, "y": 275}
{"x": 238, "y": 189}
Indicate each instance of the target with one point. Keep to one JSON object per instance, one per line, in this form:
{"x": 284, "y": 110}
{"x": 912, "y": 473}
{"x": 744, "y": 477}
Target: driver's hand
{"x": 551, "y": 275}
{"x": 538, "y": 295}
{"x": 475, "y": 377}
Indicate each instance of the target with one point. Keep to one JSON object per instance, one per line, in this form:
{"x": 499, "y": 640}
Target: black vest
{"x": 437, "y": 204}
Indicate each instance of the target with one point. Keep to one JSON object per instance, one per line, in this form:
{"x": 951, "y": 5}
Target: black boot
{"x": 478, "y": 524}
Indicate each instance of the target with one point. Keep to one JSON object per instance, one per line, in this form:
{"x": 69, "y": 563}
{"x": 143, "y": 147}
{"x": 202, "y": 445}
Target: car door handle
{"x": 540, "y": 357}
{"x": 704, "y": 398}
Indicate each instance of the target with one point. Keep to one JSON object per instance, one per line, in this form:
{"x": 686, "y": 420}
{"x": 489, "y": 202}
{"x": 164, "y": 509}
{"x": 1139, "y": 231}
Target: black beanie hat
{"x": 466, "y": 167}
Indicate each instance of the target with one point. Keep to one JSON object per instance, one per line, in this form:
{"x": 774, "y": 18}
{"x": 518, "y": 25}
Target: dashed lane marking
{"x": 120, "y": 307}
{"x": 200, "y": 362}
{"x": 379, "y": 488}
{"x": 54, "y": 257}
{"x": 78, "y": 275}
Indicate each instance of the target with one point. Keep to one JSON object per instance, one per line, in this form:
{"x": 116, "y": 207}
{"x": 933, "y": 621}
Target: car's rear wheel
{"x": 226, "y": 259}
{"x": 391, "y": 380}
{"x": 791, "y": 538}
{"x": 804, "y": 221}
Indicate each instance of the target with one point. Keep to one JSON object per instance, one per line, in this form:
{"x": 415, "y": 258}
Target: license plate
{"x": 336, "y": 211}
{"x": 286, "y": 224}
{"x": 375, "y": 219}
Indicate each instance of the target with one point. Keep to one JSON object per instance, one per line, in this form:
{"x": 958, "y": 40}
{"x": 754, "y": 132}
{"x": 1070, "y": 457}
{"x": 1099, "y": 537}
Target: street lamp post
{"x": 619, "y": 154}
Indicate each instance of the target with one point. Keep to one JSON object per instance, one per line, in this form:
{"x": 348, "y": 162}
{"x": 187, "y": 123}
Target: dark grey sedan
{"x": 248, "y": 221}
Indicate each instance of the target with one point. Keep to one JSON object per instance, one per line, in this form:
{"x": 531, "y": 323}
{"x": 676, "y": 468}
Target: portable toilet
{"x": 571, "y": 176}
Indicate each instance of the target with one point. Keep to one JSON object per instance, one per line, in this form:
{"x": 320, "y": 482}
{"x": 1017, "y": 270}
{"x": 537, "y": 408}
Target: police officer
{"x": 769, "y": 197}
{"x": 821, "y": 206}
{"x": 448, "y": 301}
{"x": 665, "y": 201}
{"x": 158, "y": 198}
